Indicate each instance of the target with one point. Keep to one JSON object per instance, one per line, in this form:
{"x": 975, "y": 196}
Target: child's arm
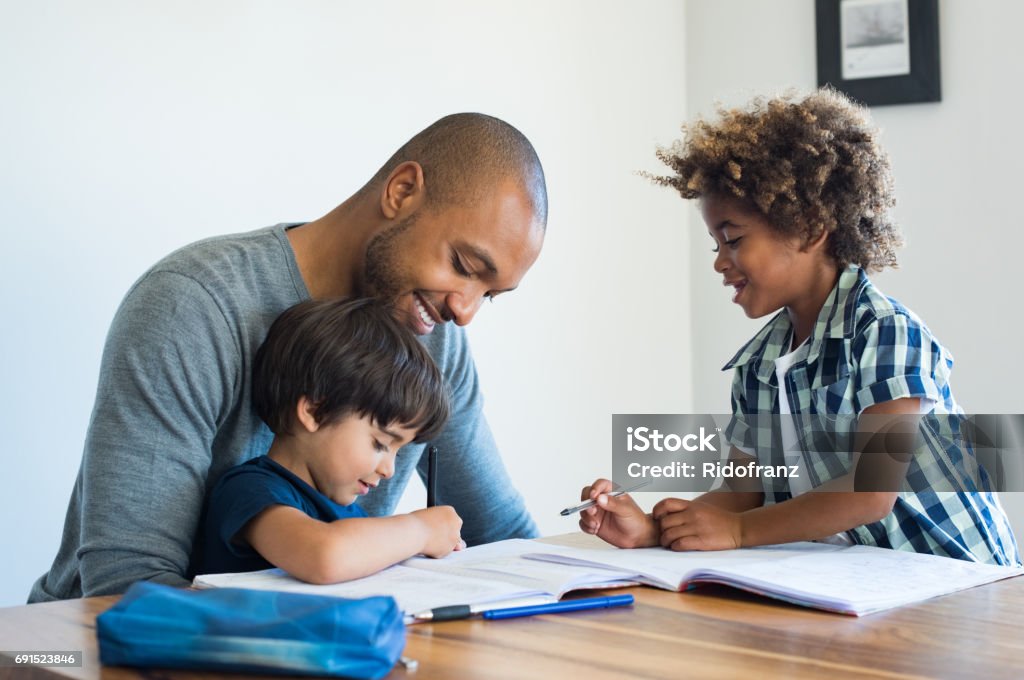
{"x": 697, "y": 525}
{"x": 329, "y": 552}
{"x": 703, "y": 525}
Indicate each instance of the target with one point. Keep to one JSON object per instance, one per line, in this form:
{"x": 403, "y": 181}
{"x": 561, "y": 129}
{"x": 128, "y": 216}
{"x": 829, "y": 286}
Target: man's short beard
{"x": 382, "y": 277}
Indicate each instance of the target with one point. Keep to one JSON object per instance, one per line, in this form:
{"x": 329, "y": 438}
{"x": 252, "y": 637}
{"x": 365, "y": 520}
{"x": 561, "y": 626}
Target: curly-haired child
{"x": 797, "y": 195}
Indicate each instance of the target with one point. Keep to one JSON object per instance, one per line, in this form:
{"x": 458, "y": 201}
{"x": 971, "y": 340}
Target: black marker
{"x": 431, "y": 476}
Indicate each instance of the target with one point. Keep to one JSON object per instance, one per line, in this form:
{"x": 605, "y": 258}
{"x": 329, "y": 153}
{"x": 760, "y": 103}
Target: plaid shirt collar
{"x": 835, "y": 323}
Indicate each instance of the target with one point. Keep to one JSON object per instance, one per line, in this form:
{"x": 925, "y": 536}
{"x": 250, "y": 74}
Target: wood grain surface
{"x": 711, "y": 632}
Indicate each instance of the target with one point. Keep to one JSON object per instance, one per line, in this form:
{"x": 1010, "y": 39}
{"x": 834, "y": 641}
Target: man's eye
{"x": 379, "y": 446}
{"x": 460, "y": 269}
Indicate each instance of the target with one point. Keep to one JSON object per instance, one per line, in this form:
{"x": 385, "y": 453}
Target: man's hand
{"x": 441, "y": 530}
{"x": 692, "y": 525}
{"x": 616, "y": 519}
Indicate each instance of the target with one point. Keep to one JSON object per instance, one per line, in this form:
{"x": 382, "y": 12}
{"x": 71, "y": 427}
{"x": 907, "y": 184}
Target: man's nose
{"x": 464, "y": 306}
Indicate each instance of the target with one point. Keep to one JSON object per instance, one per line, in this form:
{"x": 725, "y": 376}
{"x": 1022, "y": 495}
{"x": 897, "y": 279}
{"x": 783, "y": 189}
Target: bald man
{"x": 455, "y": 216}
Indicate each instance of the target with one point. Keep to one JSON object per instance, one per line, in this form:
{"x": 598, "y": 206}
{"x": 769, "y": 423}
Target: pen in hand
{"x": 617, "y": 492}
{"x": 431, "y": 483}
{"x": 431, "y": 476}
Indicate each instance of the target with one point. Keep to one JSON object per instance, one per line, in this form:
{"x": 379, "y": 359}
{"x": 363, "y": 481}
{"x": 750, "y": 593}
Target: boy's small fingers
{"x": 599, "y": 487}
{"x": 668, "y": 505}
{"x": 685, "y": 543}
{"x": 615, "y": 504}
{"x": 622, "y": 501}
{"x": 670, "y": 537}
{"x": 669, "y": 520}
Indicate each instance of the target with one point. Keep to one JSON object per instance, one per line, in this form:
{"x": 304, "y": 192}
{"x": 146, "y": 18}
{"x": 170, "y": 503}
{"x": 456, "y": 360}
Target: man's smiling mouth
{"x": 426, "y": 313}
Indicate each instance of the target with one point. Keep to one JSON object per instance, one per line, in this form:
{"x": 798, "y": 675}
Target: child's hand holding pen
{"x": 616, "y": 519}
{"x": 441, "y": 530}
{"x": 441, "y": 523}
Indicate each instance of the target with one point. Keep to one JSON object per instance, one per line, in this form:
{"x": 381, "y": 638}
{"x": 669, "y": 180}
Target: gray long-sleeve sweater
{"x": 173, "y": 413}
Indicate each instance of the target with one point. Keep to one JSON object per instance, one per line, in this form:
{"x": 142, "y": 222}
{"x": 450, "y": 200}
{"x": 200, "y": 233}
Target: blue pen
{"x": 556, "y": 607}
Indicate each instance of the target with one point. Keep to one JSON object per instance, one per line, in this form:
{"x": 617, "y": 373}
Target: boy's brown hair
{"x": 808, "y": 164}
{"x": 347, "y": 356}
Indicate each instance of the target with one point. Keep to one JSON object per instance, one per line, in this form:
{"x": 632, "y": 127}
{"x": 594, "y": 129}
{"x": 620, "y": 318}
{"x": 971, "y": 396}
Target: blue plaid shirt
{"x": 867, "y": 349}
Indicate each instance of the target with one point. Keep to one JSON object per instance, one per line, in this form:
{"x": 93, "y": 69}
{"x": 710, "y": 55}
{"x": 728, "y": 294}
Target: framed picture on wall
{"x": 880, "y": 51}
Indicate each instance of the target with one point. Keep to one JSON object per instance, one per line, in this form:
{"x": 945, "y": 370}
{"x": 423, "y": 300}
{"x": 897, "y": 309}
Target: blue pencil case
{"x": 253, "y": 631}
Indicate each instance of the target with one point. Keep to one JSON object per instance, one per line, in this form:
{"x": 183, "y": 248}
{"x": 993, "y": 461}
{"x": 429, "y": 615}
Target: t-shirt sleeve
{"x": 239, "y": 496}
{"x": 896, "y": 357}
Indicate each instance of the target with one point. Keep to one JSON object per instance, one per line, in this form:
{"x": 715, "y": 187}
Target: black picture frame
{"x": 922, "y": 84}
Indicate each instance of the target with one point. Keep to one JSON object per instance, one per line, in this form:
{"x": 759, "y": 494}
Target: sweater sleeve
{"x": 169, "y": 373}
{"x": 472, "y": 476}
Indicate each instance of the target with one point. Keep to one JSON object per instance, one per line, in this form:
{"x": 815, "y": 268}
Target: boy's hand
{"x": 441, "y": 527}
{"x": 692, "y": 525}
{"x": 618, "y": 520}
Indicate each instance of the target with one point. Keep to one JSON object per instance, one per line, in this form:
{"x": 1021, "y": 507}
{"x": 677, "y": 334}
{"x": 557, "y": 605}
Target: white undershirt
{"x": 791, "y": 450}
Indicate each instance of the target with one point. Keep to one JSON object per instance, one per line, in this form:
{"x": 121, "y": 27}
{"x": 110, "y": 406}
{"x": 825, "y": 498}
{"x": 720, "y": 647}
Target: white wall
{"x": 129, "y": 129}
{"x": 957, "y": 169}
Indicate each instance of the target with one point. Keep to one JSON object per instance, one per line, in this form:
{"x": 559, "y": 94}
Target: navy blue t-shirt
{"x": 245, "y": 491}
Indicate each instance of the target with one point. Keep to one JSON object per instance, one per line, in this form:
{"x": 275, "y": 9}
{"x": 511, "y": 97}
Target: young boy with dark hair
{"x": 797, "y": 194}
{"x": 343, "y": 386}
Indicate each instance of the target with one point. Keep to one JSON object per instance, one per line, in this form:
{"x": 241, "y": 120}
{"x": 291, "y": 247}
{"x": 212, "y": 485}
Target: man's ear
{"x": 305, "y": 413}
{"x": 404, "y": 191}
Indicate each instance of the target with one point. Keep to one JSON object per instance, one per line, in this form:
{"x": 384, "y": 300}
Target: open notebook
{"x": 847, "y": 579}
{"x": 496, "y": 572}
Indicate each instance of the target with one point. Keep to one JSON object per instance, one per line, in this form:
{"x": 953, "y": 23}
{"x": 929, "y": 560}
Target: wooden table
{"x": 712, "y": 632}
